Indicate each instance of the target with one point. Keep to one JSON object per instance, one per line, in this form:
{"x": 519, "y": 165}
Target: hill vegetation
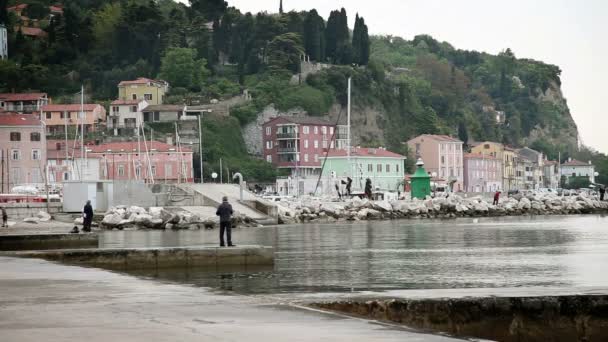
{"x": 209, "y": 50}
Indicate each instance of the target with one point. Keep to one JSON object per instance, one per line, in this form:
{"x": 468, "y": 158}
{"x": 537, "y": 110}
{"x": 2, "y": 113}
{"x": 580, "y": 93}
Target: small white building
{"x": 3, "y": 42}
{"x": 126, "y": 114}
{"x": 576, "y": 168}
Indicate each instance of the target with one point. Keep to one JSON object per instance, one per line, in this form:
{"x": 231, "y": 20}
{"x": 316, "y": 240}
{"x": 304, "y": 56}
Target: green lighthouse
{"x": 421, "y": 182}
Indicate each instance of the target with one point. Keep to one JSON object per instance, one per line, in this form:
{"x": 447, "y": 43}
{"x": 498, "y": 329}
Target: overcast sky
{"x": 570, "y": 34}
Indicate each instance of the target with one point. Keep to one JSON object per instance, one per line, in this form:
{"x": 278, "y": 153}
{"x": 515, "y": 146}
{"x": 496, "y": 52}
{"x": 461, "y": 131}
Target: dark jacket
{"x": 4, "y": 213}
{"x": 88, "y": 212}
{"x": 224, "y": 211}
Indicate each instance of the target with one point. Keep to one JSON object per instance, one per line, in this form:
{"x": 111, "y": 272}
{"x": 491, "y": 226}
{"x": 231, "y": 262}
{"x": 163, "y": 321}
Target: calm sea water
{"x": 569, "y": 251}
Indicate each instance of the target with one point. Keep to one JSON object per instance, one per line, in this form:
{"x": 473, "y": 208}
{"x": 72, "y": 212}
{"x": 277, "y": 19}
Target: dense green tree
{"x": 3, "y": 11}
{"x": 210, "y": 9}
{"x": 180, "y": 68}
{"x": 284, "y": 52}
{"x": 360, "y": 42}
{"x": 314, "y": 39}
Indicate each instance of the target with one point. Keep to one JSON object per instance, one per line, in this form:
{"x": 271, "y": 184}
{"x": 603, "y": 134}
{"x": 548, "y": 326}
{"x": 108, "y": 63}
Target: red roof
{"x": 478, "y": 156}
{"x": 575, "y": 162}
{"x": 17, "y": 7}
{"x": 132, "y": 146}
{"x": 125, "y": 102}
{"x": 365, "y": 152}
{"x": 33, "y": 31}
{"x": 302, "y": 121}
{"x": 550, "y": 162}
{"x": 438, "y": 138}
{"x": 56, "y": 8}
{"x": 139, "y": 80}
{"x": 19, "y": 120}
{"x": 9, "y": 97}
{"x": 69, "y": 107}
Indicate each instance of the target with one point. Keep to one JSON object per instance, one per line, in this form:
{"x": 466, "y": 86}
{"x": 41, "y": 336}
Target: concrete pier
{"x": 157, "y": 258}
{"x": 23, "y": 242}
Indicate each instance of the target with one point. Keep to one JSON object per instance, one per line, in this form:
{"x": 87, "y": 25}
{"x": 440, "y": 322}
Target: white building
{"x": 3, "y": 42}
{"x": 576, "y": 168}
{"x": 126, "y": 114}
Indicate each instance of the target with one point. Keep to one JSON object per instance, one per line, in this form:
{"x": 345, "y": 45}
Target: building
{"x": 23, "y": 150}
{"x": 164, "y": 113}
{"x": 297, "y": 144}
{"x": 61, "y": 117}
{"x": 23, "y": 103}
{"x": 3, "y": 42}
{"x": 126, "y": 115}
{"x": 551, "y": 174}
{"x": 152, "y": 91}
{"x": 533, "y": 172}
{"x": 442, "y": 156}
{"x": 575, "y": 168}
{"x": 384, "y": 168}
{"x": 509, "y": 159}
{"x": 66, "y": 162}
{"x": 162, "y": 163}
{"x": 482, "y": 173}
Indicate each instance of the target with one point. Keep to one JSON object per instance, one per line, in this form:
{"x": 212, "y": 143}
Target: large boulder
{"x": 112, "y": 220}
{"x": 136, "y": 210}
{"x": 31, "y": 220}
{"x": 383, "y": 206}
{"x": 43, "y": 216}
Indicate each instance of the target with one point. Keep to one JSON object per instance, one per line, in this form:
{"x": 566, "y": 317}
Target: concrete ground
{"x": 43, "y": 301}
{"x": 50, "y": 227}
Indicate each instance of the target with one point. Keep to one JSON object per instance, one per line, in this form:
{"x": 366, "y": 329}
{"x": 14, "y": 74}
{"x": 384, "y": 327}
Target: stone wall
{"x": 19, "y": 211}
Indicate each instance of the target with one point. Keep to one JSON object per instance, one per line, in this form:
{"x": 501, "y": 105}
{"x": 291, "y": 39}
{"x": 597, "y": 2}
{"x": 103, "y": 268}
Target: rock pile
{"x": 41, "y": 216}
{"x": 121, "y": 217}
{"x": 317, "y": 210}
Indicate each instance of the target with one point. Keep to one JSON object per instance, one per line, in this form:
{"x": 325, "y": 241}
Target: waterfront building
{"x": 148, "y": 161}
{"x": 152, "y": 91}
{"x": 66, "y": 162}
{"x": 164, "y": 113}
{"x": 126, "y": 115}
{"x": 482, "y": 173}
{"x": 23, "y": 103}
{"x": 442, "y": 156}
{"x": 551, "y": 174}
{"x": 575, "y": 168}
{"x": 61, "y": 117}
{"x": 23, "y": 152}
{"x": 532, "y": 168}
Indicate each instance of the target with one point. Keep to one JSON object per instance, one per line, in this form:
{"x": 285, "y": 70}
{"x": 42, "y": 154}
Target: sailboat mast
{"x": 82, "y": 118}
{"x": 348, "y": 148}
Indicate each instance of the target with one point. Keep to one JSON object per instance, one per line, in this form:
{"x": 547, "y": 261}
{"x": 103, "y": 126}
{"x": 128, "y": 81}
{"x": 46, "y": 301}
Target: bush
{"x": 313, "y": 101}
{"x": 245, "y": 113}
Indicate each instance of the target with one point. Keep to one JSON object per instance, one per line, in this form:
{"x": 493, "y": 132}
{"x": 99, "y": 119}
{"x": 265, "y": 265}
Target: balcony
{"x": 287, "y": 136}
{"x": 286, "y": 150}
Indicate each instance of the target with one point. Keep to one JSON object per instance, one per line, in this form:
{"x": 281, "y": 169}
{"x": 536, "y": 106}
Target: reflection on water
{"x": 503, "y": 252}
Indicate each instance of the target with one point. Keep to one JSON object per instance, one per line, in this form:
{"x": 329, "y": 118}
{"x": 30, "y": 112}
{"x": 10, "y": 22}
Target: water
{"x": 570, "y": 251}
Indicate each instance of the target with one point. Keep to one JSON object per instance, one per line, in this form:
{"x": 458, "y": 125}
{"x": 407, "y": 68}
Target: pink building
{"x": 126, "y": 160}
{"x": 23, "y": 150}
{"x": 482, "y": 173}
{"x": 298, "y": 143}
{"x": 442, "y": 156}
{"x": 59, "y": 117}
{"x": 23, "y": 103}
{"x": 67, "y": 163}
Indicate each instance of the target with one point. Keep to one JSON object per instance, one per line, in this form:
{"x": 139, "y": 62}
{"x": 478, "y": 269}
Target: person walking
{"x": 368, "y": 188}
{"x": 224, "y": 211}
{"x": 87, "y": 216}
{"x": 496, "y": 198}
{"x": 4, "y": 217}
{"x": 602, "y": 192}
{"x": 349, "y": 184}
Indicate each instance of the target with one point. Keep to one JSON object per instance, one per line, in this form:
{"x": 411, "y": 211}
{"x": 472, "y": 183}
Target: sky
{"x": 569, "y": 34}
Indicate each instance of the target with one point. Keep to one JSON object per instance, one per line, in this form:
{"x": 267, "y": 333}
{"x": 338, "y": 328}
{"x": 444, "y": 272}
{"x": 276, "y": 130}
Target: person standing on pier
{"x": 4, "y": 217}
{"x": 496, "y": 198}
{"x": 87, "y": 216}
{"x": 368, "y": 188}
{"x": 224, "y": 211}
{"x": 602, "y": 192}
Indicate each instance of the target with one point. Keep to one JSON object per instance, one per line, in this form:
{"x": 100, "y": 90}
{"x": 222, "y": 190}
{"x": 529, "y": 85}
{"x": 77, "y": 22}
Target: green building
{"x": 384, "y": 168}
{"x": 421, "y": 182}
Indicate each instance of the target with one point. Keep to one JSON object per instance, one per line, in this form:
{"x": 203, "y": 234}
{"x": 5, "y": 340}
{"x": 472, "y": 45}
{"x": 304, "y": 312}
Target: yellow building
{"x": 152, "y": 91}
{"x": 508, "y": 157}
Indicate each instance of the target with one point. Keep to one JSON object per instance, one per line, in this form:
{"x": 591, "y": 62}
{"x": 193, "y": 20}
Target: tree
{"x": 3, "y": 12}
{"x": 210, "y": 9}
{"x": 360, "y": 43}
{"x": 36, "y": 10}
{"x": 463, "y": 134}
{"x": 314, "y": 39}
{"x": 284, "y": 52}
{"x": 180, "y": 68}
{"x": 331, "y": 35}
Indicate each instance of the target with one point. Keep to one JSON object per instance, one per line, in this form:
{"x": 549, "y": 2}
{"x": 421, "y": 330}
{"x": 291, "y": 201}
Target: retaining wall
{"x": 19, "y": 211}
{"x": 47, "y": 241}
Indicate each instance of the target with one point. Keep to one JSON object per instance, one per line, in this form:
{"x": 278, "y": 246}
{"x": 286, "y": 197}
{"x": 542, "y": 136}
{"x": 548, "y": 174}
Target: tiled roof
{"x": 19, "y": 120}
{"x": 132, "y": 146}
{"x": 139, "y": 80}
{"x": 88, "y": 107}
{"x": 164, "y": 108}
{"x": 305, "y": 120}
{"x": 21, "y": 96}
{"x": 33, "y": 31}
{"x": 550, "y": 162}
{"x": 440, "y": 138}
{"x": 17, "y": 7}
{"x": 56, "y": 8}
{"x": 575, "y": 162}
{"x": 365, "y": 152}
{"x": 479, "y": 156}
{"x": 125, "y": 102}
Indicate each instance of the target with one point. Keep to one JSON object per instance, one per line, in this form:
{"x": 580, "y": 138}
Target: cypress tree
{"x": 365, "y": 43}
{"x": 313, "y": 36}
{"x": 357, "y": 40}
{"x": 331, "y": 37}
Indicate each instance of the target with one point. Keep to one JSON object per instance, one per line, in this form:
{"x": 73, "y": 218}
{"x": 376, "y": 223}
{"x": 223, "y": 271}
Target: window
{"x": 397, "y": 168}
{"x": 370, "y": 168}
{"x": 269, "y": 145}
{"x": 34, "y": 136}
{"x": 133, "y": 109}
{"x": 35, "y": 154}
{"x": 316, "y": 143}
{"x": 134, "y": 96}
{"x": 268, "y": 130}
{"x": 417, "y": 149}
{"x": 115, "y": 109}
{"x": 324, "y": 130}
{"x": 66, "y": 176}
{"x": 121, "y": 170}
{"x": 331, "y": 145}
{"x": 153, "y": 167}
{"x": 305, "y": 143}
{"x": 331, "y": 131}
{"x": 442, "y": 159}
{"x": 148, "y": 97}
{"x": 15, "y": 154}
{"x": 269, "y": 158}
{"x": 35, "y": 175}
{"x": 379, "y": 168}
{"x": 15, "y": 136}
{"x": 388, "y": 168}
{"x": 316, "y": 130}
{"x": 306, "y": 130}
{"x": 324, "y": 143}
{"x": 486, "y": 146}
{"x": 157, "y": 116}
{"x": 316, "y": 157}
{"x": 168, "y": 170}
{"x": 49, "y": 115}
{"x": 306, "y": 157}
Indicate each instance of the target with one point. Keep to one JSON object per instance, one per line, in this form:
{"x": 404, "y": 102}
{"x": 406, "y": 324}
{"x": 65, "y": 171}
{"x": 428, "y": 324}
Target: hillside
{"x": 209, "y": 50}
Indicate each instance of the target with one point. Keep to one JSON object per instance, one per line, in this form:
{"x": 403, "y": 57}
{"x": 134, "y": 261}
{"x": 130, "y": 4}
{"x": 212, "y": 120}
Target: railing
{"x": 287, "y": 136}
{"x": 286, "y": 149}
